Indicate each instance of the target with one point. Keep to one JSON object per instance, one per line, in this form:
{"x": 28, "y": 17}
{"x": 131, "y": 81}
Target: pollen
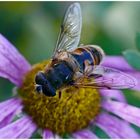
{"x": 72, "y": 112}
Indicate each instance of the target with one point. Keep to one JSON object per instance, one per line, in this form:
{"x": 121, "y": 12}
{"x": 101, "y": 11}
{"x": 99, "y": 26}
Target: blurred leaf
{"x": 99, "y": 132}
{"x": 137, "y": 39}
{"x": 5, "y": 89}
{"x": 133, "y": 58}
{"x": 136, "y": 128}
{"x": 65, "y": 136}
{"x": 133, "y": 97}
{"x": 36, "y": 135}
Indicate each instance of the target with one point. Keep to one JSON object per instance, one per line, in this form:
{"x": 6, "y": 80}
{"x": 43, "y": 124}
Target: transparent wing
{"x": 70, "y": 30}
{"x": 104, "y": 77}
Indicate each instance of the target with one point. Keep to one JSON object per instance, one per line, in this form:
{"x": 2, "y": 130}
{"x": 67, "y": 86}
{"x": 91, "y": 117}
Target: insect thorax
{"x": 60, "y": 74}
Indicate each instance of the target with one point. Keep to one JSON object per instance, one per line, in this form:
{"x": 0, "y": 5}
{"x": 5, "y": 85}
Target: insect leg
{"x": 60, "y": 93}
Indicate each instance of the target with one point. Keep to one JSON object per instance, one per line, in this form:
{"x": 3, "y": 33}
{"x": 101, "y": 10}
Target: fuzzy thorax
{"x": 73, "y": 111}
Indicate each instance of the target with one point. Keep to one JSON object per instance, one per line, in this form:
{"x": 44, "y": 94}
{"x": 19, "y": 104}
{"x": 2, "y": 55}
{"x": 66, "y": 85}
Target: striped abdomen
{"x": 87, "y": 55}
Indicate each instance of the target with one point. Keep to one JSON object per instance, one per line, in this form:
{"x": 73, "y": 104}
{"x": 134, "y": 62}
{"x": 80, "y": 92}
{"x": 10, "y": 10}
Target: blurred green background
{"x": 33, "y": 28}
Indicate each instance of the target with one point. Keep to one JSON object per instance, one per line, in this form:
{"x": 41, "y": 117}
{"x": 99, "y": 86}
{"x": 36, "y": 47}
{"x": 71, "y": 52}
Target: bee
{"x": 78, "y": 66}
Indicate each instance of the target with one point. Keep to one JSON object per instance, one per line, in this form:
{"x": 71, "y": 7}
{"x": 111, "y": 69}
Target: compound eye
{"x": 39, "y": 88}
{"x": 40, "y": 78}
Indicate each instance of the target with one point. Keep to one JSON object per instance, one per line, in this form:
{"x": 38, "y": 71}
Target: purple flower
{"x": 14, "y": 66}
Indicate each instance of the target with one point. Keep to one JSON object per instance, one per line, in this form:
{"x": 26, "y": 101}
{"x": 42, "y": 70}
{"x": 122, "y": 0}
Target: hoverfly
{"x": 78, "y": 66}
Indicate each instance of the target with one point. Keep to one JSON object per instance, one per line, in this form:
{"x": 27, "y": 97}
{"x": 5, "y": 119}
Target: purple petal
{"x": 123, "y": 110}
{"x": 84, "y": 134}
{"x": 113, "y": 94}
{"x": 13, "y": 65}
{"x": 22, "y": 128}
{"x": 47, "y": 134}
{"x": 118, "y": 62}
{"x": 7, "y": 119}
{"x": 28, "y": 131}
{"x": 114, "y": 127}
{"x": 8, "y": 110}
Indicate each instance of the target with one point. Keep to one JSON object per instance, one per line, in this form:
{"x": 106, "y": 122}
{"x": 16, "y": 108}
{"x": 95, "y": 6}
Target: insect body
{"x": 57, "y": 76}
{"x": 61, "y": 72}
{"x": 78, "y": 66}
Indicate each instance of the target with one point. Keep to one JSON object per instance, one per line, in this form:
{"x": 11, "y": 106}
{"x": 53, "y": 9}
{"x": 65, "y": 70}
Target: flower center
{"x": 72, "y": 112}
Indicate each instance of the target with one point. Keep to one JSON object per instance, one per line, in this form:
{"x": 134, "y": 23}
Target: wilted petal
{"x": 47, "y": 134}
{"x": 22, "y": 128}
{"x": 123, "y": 110}
{"x": 8, "y": 109}
{"x": 113, "y": 94}
{"x": 115, "y": 127}
{"x": 13, "y": 65}
{"x": 84, "y": 134}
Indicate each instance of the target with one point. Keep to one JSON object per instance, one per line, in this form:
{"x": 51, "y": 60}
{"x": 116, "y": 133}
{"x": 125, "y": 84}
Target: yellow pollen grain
{"x": 72, "y": 112}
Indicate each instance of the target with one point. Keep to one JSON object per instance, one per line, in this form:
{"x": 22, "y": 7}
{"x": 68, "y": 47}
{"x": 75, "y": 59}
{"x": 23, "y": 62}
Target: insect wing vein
{"x": 105, "y": 77}
{"x": 70, "y": 31}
